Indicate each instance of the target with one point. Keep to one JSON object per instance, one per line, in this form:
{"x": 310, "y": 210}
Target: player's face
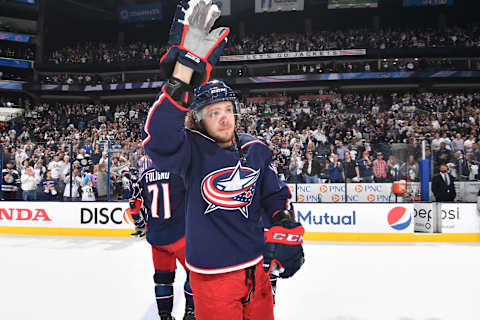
{"x": 219, "y": 122}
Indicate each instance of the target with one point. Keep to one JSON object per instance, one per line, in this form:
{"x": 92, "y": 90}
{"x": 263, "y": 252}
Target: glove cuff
{"x": 202, "y": 69}
{"x": 179, "y": 91}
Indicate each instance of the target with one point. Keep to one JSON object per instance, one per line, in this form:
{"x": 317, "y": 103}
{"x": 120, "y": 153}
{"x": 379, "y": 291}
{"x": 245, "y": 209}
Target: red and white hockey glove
{"x": 192, "y": 43}
{"x": 283, "y": 253}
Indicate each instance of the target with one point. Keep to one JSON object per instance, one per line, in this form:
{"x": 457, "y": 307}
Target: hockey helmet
{"x": 212, "y": 92}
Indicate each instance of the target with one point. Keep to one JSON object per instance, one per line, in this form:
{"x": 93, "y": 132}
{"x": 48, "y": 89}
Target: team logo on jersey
{"x": 230, "y": 188}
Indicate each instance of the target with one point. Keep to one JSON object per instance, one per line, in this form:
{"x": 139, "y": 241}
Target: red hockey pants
{"x": 238, "y": 295}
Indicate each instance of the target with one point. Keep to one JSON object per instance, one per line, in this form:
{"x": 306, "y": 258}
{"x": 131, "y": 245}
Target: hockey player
{"x": 162, "y": 195}
{"x": 230, "y": 180}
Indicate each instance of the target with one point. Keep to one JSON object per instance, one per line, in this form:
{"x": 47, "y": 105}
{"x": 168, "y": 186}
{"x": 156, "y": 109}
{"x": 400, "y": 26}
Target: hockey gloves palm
{"x": 283, "y": 248}
{"x": 192, "y": 43}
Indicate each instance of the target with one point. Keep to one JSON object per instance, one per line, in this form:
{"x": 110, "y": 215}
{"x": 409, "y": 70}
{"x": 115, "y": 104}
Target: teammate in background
{"x": 230, "y": 180}
{"x": 129, "y": 178}
{"x": 162, "y": 195}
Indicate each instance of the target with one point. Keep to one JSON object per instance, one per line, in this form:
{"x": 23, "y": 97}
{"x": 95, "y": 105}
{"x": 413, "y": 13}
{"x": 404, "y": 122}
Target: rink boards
{"x": 382, "y": 222}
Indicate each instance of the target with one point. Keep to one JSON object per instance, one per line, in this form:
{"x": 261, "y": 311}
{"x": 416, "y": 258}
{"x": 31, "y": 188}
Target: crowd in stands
{"x": 51, "y": 139}
{"x": 79, "y": 79}
{"x": 327, "y": 137}
{"x": 384, "y": 65}
{"x": 365, "y": 38}
{"x": 104, "y": 52}
{"x": 17, "y": 51}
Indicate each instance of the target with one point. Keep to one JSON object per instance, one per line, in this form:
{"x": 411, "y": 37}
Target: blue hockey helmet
{"x": 212, "y": 92}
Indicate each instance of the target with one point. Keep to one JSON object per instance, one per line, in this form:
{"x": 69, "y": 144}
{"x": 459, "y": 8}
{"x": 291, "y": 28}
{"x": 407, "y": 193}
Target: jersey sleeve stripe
{"x": 251, "y": 142}
{"x": 149, "y": 117}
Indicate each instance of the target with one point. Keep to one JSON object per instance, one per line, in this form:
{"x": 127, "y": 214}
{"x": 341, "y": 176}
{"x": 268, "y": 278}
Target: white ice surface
{"x": 111, "y": 278}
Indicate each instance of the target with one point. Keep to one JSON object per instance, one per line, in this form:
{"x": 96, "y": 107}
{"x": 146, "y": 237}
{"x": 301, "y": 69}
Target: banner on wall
{"x": 14, "y": 37}
{"x": 361, "y": 218}
{"x": 278, "y": 5}
{"x": 143, "y": 12}
{"x": 347, "y": 4}
{"x": 293, "y": 55}
{"x": 426, "y": 3}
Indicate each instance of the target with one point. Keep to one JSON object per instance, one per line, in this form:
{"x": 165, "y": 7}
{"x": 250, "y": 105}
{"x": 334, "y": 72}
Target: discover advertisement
{"x": 83, "y": 215}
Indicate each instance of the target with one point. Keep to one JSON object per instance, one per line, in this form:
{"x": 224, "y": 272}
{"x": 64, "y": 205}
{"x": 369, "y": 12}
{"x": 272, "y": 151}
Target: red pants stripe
{"x": 164, "y": 256}
{"x": 220, "y": 296}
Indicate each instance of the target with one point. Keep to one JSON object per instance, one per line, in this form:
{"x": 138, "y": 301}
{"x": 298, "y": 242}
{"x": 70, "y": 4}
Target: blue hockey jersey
{"x": 163, "y": 197}
{"x": 225, "y": 199}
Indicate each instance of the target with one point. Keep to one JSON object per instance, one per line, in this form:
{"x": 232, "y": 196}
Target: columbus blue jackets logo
{"x": 230, "y": 189}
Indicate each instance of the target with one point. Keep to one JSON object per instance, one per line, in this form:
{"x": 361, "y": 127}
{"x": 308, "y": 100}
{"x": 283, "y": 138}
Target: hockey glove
{"x": 283, "y": 252}
{"x": 192, "y": 43}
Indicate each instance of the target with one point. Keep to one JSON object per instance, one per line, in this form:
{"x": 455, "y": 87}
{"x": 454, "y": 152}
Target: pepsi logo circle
{"x": 399, "y": 219}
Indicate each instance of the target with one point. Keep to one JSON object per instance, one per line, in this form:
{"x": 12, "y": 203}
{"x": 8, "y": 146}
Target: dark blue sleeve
{"x": 275, "y": 194}
{"x": 164, "y": 136}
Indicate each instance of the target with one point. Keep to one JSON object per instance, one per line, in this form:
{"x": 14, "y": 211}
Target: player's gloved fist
{"x": 283, "y": 253}
{"x": 192, "y": 43}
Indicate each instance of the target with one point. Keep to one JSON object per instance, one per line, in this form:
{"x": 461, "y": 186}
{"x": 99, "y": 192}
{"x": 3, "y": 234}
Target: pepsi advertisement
{"x": 144, "y": 12}
{"x": 426, "y": 3}
{"x": 14, "y": 37}
{"x": 27, "y": 1}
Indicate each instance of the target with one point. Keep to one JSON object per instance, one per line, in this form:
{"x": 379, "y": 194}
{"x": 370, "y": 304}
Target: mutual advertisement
{"x": 459, "y": 218}
{"x": 278, "y": 5}
{"x": 225, "y": 6}
{"x": 426, "y": 3}
{"x": 14, "y": 37}
{"x": 292, "y": 55}
{"x": 91, "y": 215}
{"x": 361, "y": 218}
{"x": 144, "y": 12}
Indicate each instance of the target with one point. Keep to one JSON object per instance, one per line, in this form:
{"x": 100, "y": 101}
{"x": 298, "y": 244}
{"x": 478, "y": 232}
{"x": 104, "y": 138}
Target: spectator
{"x": 88, "y": 192}
{"x": 379, "y": 168}
{"x": 364, "y": 168}
{"x": 76, "y": 183}
{"x": 410, "y": 170}
{"x": 29, "y": 181}
{"x": 10, "y": 182}
{"x": 349, "y": 166}
{"x": 49, "y": 187}
{"x": 102, "y": 182}
{"x": 311, "y": 169}
{"x": 443, "y": 186}
{"x": 336, "y": 173}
